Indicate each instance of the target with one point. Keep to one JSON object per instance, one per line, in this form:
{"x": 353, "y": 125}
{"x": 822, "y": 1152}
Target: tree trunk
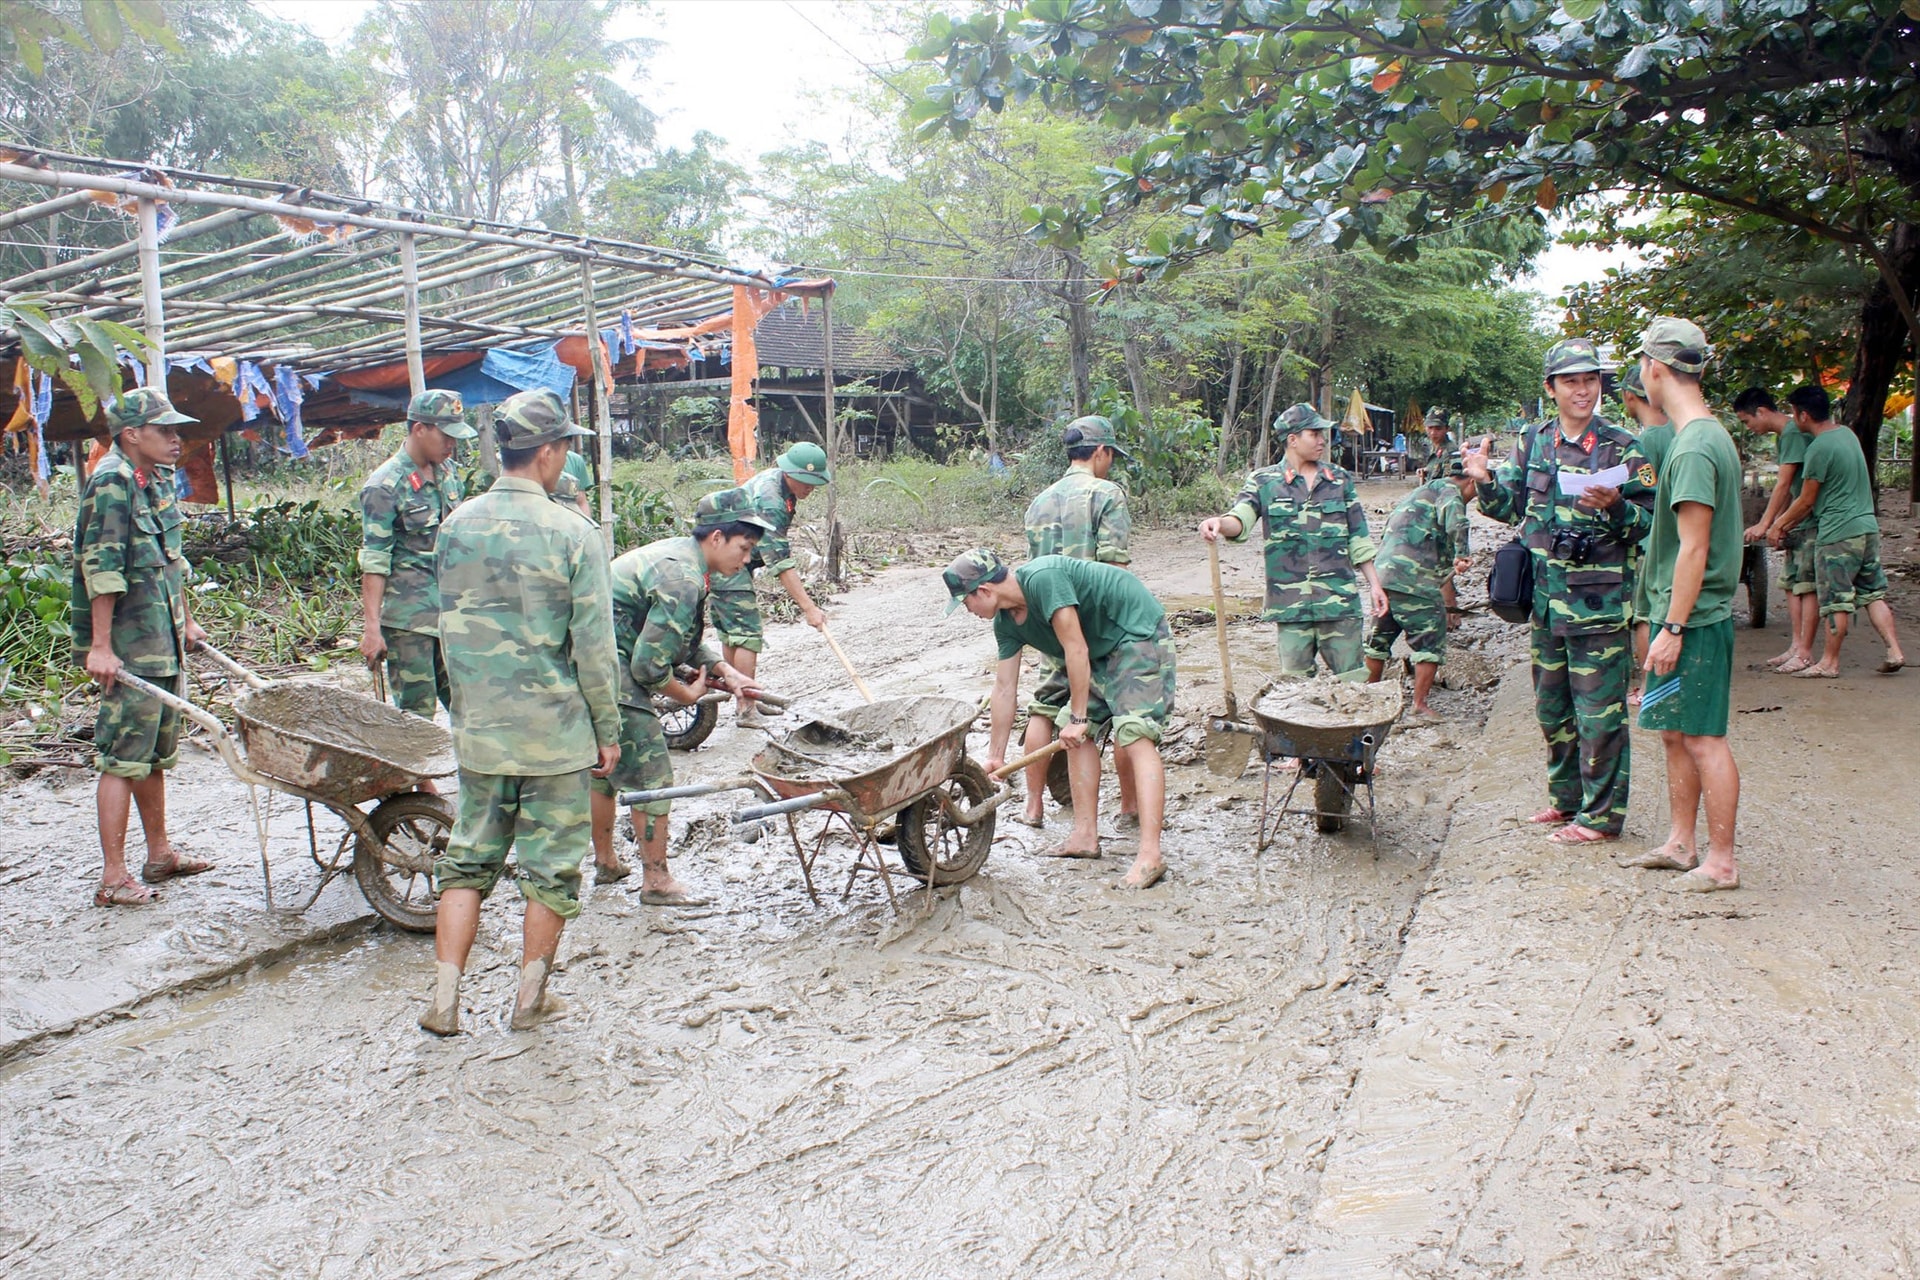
{"x": 1079, "y": 333}
{"x": 1883, "y": 340}
{"x": 1233, "y": 408}
{"x": 993, "y": 387}
{"x": 1137, "y": 378}
{"x": 1260, "y": 458}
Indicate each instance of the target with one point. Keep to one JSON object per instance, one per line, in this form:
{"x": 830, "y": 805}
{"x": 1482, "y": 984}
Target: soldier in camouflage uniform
{"x": 1445, "y": 450}
{"x": 401, "y": 507}
{"x": 1582, "y": 588}
{"x": 130, "y": 614}
{"x": 1318, "y": 549}
{"x": 659, "y": 617}
{"x": 526, "y": 625}
{"x": 736, "y": 614}
{"x": 1424, "y": 546}
{"x": 575, "y": 483}
{"x": 1083, "y": 515}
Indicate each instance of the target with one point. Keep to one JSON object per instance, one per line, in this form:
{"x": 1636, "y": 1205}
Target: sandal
{"x": 1549, "y": 815}
{"x": 161, "y": 872}
{"x": 127, "y": 893}
{"x": 1574, "y": 833}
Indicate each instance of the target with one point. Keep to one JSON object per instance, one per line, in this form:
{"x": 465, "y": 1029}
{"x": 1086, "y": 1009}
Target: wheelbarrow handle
{"x": 689, "y": 791}
{"x": 794, "y": 805}
{"x": 251, "y": 679}
{"x": 166, "y": 697}
{"x": 1032, "y": 757}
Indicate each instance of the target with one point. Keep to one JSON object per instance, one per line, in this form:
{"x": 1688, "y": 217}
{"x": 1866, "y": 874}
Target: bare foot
{"x": 661, "y": 881}
{"x": 1699, "y": 880}
{"x": 1671, "y": 856}
{"x": 1793, "y": 666}
{"x": 1894, "y": 661}
{"x": 1144, "y": 875}
{"x": 1781, "y": 659}
{"x": 1067, "y": 849}
{"x": 1029, "y": 818}
{"x": 1819, "y": 671}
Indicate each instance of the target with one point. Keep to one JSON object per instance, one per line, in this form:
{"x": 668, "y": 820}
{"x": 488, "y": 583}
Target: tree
{"x": 1308, "y": 117}
{"x": 682, "y": 199}
{"x": 28, "y": 26}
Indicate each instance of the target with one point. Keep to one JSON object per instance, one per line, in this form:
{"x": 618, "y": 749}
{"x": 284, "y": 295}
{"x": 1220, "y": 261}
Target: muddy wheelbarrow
{"x": 895, "y": 771}
{"x": 340, "y": 750}
{"x": 1336, "y": 747}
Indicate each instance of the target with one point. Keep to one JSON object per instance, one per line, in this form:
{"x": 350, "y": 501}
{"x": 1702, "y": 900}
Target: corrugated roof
{"x": 792, "y": 335}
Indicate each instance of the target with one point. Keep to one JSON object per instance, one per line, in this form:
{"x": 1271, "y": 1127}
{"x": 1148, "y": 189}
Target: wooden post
{"x": 226, "y": 471}
{"x": 602, "y": 412}
{"x": 832, "y": 434}
{"x": 410, "y": 293}
{"x": 155, "y": 318}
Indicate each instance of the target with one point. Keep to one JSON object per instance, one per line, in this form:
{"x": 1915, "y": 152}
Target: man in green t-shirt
{"x": 1655, "y": 439}
{"x": 1759, "y": 414}
{"x": 1836, "y": 489}
{"x": 1111, "y": 635}
{"x": 1693, "y": 566}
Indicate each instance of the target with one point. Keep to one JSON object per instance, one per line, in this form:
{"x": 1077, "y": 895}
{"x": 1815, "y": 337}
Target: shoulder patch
{"x": 1646, "y": 475}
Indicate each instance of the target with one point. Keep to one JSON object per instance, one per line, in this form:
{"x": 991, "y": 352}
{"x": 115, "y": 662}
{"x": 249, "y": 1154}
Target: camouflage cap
{"x": 1094, "y": 430}
{"x": 968, "y": 571}
{"x": 142, "y": 407}
{"x": 1575, "y": 355}
{"x": 1436, "y": 418}
{"x": 1679, "y": 344}
{"x": 1630, "y": 379}
{"x": 443, "y": 409}
{"x": 528, "y": 419}
{"x": 728, "y": 506}
{"x": 1302, "y": 417}
{"x": 805, "y": 462}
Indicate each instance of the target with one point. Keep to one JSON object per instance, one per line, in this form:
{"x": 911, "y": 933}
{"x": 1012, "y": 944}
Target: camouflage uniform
{"x": 1425, "y": 534}
{"x": 1082, "y": 516}
{"x": 736, "y": 612}
{"x": 126, "y": 541}
{"x": 526, "y": 626}
{"x": 1316, "y": 539}
{"x": 1581, "y": 642}
{"x": 401, "y": 507}
{"x": 576, "y": 480}
{"x": 1442, "y": 459}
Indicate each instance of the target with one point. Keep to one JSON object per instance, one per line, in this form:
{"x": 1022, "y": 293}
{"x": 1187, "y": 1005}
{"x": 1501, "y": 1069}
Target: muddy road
{"x": 1032, "y": 1073}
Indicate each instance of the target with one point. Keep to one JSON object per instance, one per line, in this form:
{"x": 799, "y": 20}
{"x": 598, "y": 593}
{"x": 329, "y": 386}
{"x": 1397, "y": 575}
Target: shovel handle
{"x": 841, "y": 654}
{"x": 1220, "y": 627}
{"x": 1032, "y": 757}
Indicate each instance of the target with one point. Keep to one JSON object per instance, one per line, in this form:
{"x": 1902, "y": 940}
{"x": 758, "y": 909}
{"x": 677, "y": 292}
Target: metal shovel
{"x": 1227, "y": 742}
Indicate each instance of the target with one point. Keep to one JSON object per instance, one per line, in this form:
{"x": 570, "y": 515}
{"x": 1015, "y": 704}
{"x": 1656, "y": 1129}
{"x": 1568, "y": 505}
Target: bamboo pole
{"x": 44, "y": 209}
{"x": 832, "y": 433}
{"x": 410, "y": 293}
{"x": 602, "y": 411}
{"x": 152, "y": 308}
{"x": 119, "y": 253}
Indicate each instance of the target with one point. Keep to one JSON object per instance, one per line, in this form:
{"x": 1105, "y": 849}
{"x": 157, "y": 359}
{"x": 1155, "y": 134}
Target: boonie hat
{"x": 1678, "y": 344}
{"x": 1301, "y": 417}
{"x": 805, "y": 462}
{"x": 1095, "y": 430}
{"x": 1575, "y": 355}
{"x": 967, "y": 571}
{"x": 728, "y": 506}
{"x": 1630, "y": 379}
{"x": 142, "y": 407}
{"x": 531, "y": 418}
{"x": 443, "y": 409}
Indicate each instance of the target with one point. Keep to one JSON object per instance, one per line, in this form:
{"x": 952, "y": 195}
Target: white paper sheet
{"x": 1575, "y": 483}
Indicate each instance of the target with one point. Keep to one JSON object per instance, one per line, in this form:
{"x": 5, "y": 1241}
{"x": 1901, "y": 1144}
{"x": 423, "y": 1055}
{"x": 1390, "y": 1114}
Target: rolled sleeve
{"x": 378, "y": 512}
{"x": 1244, "y": 511}
{"x": 595, "y": 659}
{"x": 106, "y": 582}
{"x": 1361, "y": 550}
{"x": 105, "y": 535}
{"x": 1116, "y": 529}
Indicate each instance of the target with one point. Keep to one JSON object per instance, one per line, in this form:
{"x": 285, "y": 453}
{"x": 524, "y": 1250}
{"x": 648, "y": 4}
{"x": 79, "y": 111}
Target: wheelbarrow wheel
{"x": 1332, "y": 796}
{"x": 397, "y": 874}
{"x": 686, "y": 727}
{"x": 1755, "y": 577}
{"x": 929, "y": 838}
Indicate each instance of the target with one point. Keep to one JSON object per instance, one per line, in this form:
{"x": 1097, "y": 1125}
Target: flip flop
{"x": 1061, "y": 851}
{"x": 1658, "y": 860}
{"x": 1815, "y": 673}
{"x": 161, "y": 872}
{"x": 1792, "y": 666}
{"x": 1126, "y": 822}
{"x": 1574, "y": 833}
{"x": 603, "y": 874}
{"x": 1698, "y": 881}
{"x": 1149, "y": 878}
{"x": 1549, "y": 815}
{"x": 1025, "y": 821}
{"x": 1889, "y": 667}
{"x": 665, "y": 898}
{"x": 127, "y": 893}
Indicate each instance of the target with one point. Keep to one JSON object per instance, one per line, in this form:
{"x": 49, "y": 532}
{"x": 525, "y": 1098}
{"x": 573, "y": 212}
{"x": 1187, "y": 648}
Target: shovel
{"x": 1227, "y": 742}
{"x": 840, "y": 653}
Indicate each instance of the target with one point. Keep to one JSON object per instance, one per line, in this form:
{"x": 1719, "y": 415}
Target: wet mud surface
{"x": 1310, "y": 1061}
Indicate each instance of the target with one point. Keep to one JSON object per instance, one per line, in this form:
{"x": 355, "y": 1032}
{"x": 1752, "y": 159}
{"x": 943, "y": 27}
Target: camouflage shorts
{"x": 416, "y": 674}
{"x": 548, "y": 824}
{"x": 1799, "y": 573}
{"x": 1051, "y": 695}
{"x": 135, "y": 734}
{"x": 1424, "y": 622}
{"x": 1134, "y": 683}
{"x": 736, "y": 617}
{"x": 1336, "y": 642}
{"x": 644, "y": 762}
{"x": 1850, "y": 576}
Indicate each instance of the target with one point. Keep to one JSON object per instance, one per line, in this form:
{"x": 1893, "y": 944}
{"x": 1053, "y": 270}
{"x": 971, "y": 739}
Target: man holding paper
{"x": 1581, "y": 492}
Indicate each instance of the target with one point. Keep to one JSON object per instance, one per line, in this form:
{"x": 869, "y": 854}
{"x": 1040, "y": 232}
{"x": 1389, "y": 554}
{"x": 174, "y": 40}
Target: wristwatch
{"x": 1673, "y": 628}
{"x": 1074, "y": 719}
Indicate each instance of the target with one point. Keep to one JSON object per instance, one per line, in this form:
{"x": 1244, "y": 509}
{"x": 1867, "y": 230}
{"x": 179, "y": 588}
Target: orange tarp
{"x": 393, "y": 377}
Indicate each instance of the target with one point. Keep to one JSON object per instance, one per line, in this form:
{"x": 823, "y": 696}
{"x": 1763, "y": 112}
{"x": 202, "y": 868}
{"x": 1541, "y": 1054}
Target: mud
{"x": 1326, "y": 703}
{"x": 863, "y": 739}
{"x": 342, "y": 721}
{"x": 1295, "y": 1063}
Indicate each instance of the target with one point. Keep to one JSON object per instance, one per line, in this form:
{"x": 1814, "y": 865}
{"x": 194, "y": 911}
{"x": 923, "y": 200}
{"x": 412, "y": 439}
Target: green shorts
{"x": 1337, "y": 643}
{"x": 1051, "y": 696}
{"x": 548, "y": 824}
{"x": 1134, "y": 682}
{"x": 135, "y": 734}
{"x": 416, "y": 673}
{"x": 1850, "y": 575}
{"x": 1694, "y": 697}
{"x": 1424, "y": 623}
{"x": 1798, "y": 574}
{"x": 736, "y": 617}
{"x": 645, "y": 764}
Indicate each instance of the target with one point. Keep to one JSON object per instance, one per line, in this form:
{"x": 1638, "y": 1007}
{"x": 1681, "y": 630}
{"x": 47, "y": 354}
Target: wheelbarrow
{"x": 1753, "y": 557}
{"x": 1333, "y": 731}
{"x": 340, "y": 750}
{"x": 901, "y": 759}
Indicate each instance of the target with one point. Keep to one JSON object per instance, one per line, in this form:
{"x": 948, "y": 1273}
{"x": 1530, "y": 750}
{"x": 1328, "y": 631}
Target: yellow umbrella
{"x": 1357, "y": 420}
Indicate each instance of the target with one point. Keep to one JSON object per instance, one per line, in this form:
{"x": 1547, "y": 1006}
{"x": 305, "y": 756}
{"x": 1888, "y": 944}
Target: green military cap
{"x": 1678, "y": 344}
{"x": 728, "y": 506}
{"x": 805, "y": 462}
{"x": 1630, "y": 379}
{"x": 1436, "y": 418}
{"x": 968, "y": 571}
{"x": 142, "y": 407}
{"x": 1302, "y": 417}
{"x": 442, "y": 409}
{"x": 1096, "y": 430}
{"x": 531, "y": 418}
{"x": 1575, "y": 355}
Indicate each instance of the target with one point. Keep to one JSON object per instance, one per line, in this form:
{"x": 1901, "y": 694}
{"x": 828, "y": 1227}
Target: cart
{"x": 896, "y": 766}
{"x": 1335, "y": 746}
{"x": 335, "y": 748}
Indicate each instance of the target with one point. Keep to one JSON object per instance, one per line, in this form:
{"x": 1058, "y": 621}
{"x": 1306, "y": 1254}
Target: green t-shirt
{"x": 1702, "y": 466}
{"x": 1844, "y": 508}
{"x": 1793, "y": 453}
{"x": 1113, "y": 606}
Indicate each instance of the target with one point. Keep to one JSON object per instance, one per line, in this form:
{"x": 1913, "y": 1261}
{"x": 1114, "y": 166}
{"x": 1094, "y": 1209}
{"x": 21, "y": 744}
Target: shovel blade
{"x": 1226, "y": 751}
